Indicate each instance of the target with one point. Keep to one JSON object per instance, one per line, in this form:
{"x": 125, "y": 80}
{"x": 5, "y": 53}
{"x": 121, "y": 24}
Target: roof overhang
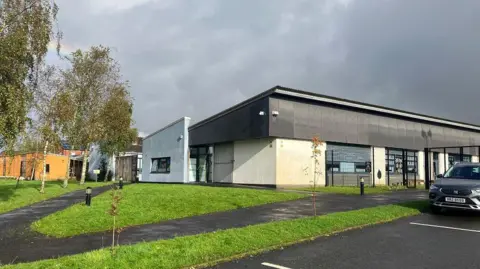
{"x": 280, "y": 90}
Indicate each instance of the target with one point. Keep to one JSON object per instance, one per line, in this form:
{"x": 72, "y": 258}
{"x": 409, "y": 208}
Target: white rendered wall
{"x": 295, "y": 165}
{"x": 442, "y": 160}
{"x": 421, "y": 165}
{"x": 171, "y": 141}
{"x": 254, "y": 162}
{"x": 379, "y": 165}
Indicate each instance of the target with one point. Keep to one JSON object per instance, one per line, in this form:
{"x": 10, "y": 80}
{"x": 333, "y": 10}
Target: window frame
{"x": 358, "y": 167}
{"x": 47, "y": 168}
{"x": 159, "y": 160}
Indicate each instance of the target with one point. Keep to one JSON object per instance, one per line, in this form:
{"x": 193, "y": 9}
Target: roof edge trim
{"x": 167, "y": 126}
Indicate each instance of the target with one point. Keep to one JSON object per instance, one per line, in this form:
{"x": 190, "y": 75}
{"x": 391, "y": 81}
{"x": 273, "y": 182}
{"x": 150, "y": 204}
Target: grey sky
{"x": 197, "y": 57}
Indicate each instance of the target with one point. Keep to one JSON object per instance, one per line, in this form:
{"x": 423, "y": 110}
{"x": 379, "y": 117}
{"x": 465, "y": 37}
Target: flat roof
{"x": 285, "y": 91}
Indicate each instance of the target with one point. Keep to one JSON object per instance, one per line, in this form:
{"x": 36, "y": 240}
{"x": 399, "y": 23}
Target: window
{"x": 397, "y": 161}
{"x": 346, "y": 167}
{"x": 160, "y": 165}
{"x": 47, "y": 168}
{"x": 347, "y": 158}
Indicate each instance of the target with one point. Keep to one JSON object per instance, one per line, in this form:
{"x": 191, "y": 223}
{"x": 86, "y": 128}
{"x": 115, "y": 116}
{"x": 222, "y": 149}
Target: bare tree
{"x": 316, "y": 155}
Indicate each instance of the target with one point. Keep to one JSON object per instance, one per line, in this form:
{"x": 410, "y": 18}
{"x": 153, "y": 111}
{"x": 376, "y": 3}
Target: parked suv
{"x": 458, "y": 188}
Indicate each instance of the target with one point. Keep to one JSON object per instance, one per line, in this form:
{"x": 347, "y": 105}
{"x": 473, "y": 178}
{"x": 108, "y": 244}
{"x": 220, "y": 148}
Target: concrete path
{"x": 31, "y": 246}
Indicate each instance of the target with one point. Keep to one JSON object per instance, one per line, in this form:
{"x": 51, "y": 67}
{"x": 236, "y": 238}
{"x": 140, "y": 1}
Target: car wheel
{"x": 435, "y": 209}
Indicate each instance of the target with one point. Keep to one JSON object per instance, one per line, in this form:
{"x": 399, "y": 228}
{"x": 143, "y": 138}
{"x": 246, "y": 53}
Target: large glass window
{"x": 160, "y": 165}
{"x": 395, "y": 164}
{"x": 347, "y": 159}
{"x": 454, "y": 158}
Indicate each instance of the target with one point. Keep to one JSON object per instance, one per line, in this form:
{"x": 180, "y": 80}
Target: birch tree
{"x": 46, "y": 109}
{"x": 100, "y": 99}
{"x": 26, "y": 29}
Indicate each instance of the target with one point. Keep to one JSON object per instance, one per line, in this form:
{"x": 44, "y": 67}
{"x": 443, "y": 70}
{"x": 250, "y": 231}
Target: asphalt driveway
{"x": 20, "y": 244}
{"x": 425, "y": 241}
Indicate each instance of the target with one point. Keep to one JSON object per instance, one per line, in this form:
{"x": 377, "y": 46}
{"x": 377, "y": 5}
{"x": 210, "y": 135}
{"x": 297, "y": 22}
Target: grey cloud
{"x": 199, "y": 57}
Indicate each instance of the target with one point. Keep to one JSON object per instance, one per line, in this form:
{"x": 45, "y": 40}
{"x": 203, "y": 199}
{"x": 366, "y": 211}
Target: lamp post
{"x": 88, "y": 196}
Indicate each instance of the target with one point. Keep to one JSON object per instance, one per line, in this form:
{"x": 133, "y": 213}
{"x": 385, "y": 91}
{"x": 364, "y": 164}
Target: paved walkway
{"x": 30, "y": 246}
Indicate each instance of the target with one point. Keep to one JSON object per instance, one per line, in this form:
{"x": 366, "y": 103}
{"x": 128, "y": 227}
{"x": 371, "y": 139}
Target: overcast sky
{"x": 197, "y": 57}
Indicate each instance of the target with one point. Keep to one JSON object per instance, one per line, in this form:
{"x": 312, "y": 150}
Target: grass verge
{"x": 210, "y": 248}
{"x": 151, "y": 203}
{"x": 28, "y": 192}
{"x": 348, "y": 190}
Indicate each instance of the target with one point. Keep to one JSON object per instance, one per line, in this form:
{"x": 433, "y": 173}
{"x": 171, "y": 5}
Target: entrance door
{"x": 200, "y": 164}
{"x": 411, "y": 169}
{"x": 223, "y": 163}
{"x": 402, "y": 167}
{"x": 23, "y": 169}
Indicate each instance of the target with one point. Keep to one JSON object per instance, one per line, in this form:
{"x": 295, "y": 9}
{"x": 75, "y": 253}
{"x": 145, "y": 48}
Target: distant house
{"x": 76, "y": 159}
{"x": 30, "y": 166}
{"x": 128, "y": 164}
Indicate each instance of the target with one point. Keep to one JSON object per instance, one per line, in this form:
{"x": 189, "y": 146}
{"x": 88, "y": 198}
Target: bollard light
{"x": 88, "y": 196}
{"x": 362, "y": 186}
{"x": 120, "y": 183}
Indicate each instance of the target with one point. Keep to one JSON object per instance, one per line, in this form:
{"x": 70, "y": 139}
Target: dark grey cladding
{"x": 245, "y": 122}
{"x": 301, "y": 116}
{"x": 304, "y": 119}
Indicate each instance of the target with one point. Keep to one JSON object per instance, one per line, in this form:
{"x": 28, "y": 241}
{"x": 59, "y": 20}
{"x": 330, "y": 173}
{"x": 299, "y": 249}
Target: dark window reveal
{"x": 160, "y": 165}
{"x": 47, "y": 168}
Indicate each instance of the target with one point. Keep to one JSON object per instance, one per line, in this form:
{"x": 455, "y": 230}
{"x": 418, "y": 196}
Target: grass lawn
{"x": 209, "y": 248}
{"x": 356, "y": 190}
{"x": 150, "y": 203}
{"x": 28, "y": 192}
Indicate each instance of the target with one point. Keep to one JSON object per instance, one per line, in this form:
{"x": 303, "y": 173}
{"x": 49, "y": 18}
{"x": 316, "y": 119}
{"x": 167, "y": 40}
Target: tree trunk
{"x": 67, "y": 177}
{"x": 84, "y": 165}
{"x": 113, "y": 235}
{"x": 44, "y": 175}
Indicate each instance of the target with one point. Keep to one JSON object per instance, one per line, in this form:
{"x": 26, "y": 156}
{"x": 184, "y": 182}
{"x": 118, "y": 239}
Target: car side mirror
{"x": 439, "y": 176}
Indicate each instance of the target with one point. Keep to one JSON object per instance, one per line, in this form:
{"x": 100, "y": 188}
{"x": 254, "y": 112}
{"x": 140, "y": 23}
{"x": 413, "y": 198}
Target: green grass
{"x": 210, "y": 248}
{"x": 150, "y": 203}
{"x": 28, "y": 192}
{"x": 356, "y": 190}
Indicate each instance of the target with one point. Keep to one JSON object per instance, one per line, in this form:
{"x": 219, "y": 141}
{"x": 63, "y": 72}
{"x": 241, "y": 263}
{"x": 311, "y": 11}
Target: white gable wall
{"x": 171, "y": 141}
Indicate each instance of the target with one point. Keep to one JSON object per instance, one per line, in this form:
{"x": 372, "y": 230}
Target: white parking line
{"x": 445, "y": 227}
{"x": 274, "y": 265}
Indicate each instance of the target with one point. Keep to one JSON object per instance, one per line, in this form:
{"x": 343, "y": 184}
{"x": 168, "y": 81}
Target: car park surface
{"x": 449, "y": 240}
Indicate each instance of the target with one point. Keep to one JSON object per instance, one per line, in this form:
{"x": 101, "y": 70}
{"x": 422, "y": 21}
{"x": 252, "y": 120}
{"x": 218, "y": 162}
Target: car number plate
{"x": 455, "y": 200}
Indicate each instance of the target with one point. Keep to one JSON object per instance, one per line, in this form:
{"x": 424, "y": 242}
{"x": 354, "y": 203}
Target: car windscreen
{"x": 464, "y": 172}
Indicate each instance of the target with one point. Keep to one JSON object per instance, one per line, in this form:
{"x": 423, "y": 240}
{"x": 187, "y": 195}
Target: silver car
{"x": 458, "y": 188}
